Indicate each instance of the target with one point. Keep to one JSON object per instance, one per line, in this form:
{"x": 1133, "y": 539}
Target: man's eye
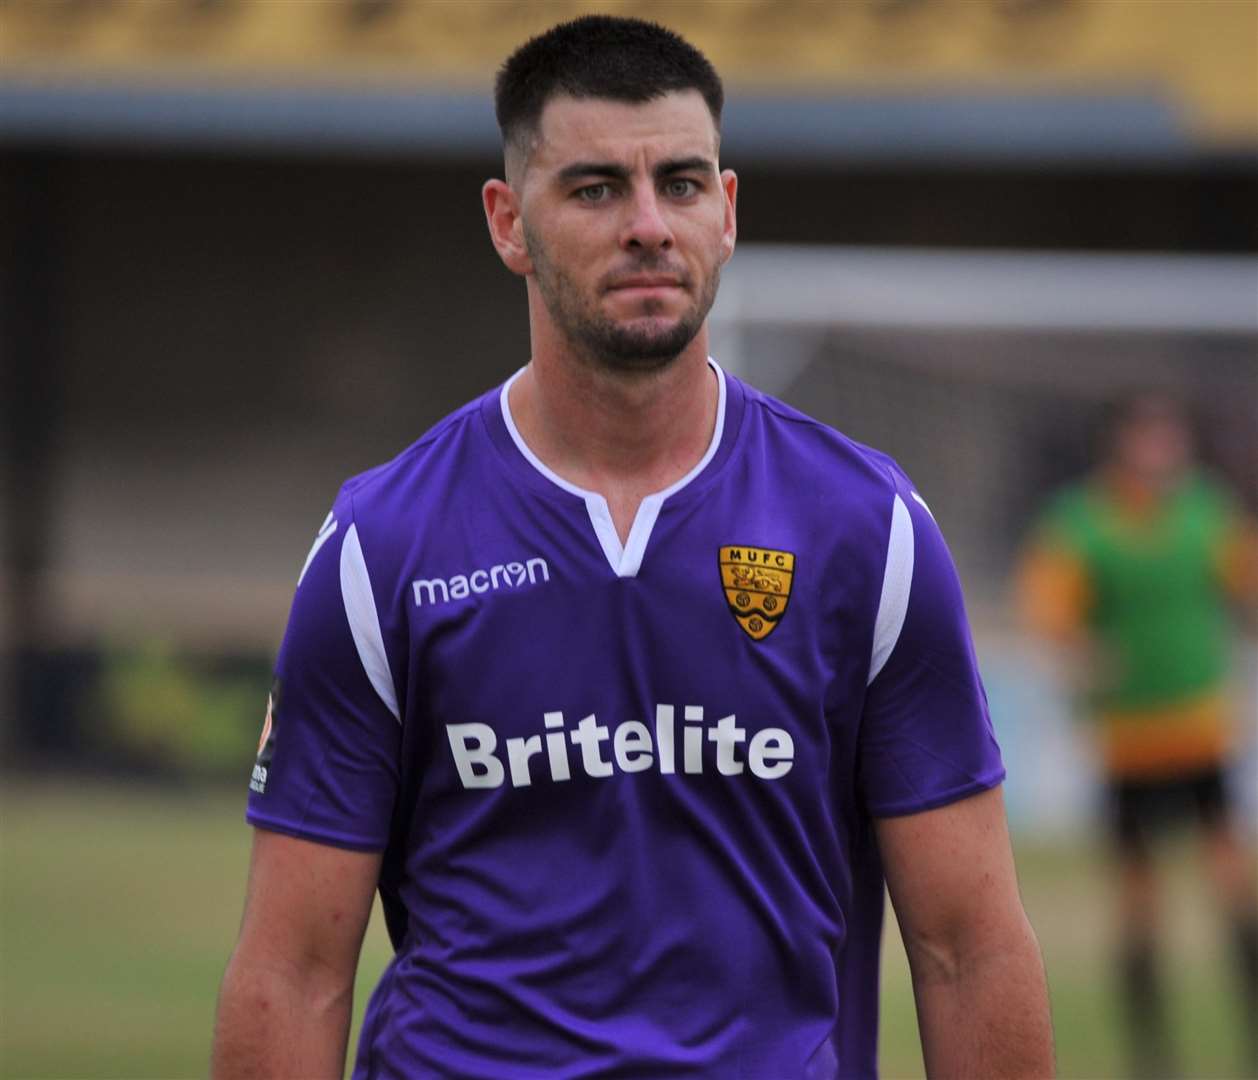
{"x": 593, "y": 193}
{"x": 681, "y": 189}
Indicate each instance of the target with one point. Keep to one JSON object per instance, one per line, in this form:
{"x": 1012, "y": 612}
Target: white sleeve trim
{"x": 897, "y": 582}
{"x": 325, "y": 534}
{"x": 364, "y": 623}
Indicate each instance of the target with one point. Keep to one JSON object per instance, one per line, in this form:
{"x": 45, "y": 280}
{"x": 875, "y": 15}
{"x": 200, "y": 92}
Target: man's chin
{"x": 647, "y": 347}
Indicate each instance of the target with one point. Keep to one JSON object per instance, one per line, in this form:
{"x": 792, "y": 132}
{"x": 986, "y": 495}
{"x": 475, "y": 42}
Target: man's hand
{"x": 978, "y": 978}
{"x": 285, "y": 1003}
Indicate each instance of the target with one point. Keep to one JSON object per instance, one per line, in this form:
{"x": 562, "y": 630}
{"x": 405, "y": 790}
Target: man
{"x": 1132, "y": 571}
{"x": 624, "y": 682}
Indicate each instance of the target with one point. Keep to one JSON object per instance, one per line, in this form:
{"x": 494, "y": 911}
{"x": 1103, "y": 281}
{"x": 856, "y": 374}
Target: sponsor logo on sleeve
{"x": 757, "y": 584}
{"x": 266, "y": 744}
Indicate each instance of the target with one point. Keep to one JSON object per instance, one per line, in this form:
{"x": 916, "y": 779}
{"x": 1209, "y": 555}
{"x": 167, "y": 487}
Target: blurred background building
{"x": 244, "y": 258}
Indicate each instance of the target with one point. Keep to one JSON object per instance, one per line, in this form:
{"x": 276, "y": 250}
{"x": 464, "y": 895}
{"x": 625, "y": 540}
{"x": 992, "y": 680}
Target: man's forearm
{"x": 277, "y": 1024}
{"x": 986, "y": 1013}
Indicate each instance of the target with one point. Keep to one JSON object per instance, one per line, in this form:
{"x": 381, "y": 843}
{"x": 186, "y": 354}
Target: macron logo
{"x": 512, "y": 575}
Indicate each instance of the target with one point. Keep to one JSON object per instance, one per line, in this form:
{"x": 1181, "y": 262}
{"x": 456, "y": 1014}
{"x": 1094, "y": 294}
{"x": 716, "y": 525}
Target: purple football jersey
{"x": 625, "y": 792}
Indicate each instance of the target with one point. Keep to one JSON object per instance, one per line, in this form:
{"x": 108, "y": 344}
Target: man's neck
{"x": 621, "y": 434}
{"x": 1138, "y": 496}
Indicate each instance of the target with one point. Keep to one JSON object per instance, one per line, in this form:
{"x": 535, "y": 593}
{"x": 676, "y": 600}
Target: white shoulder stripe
{"x": 325, "y": 534}
{"x": 364, "y": 623}
{"x": 897, "y": 582}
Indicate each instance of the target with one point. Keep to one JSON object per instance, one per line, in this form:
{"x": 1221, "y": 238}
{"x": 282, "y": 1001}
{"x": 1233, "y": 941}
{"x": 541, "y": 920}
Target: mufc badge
{"x": 757, "y": 584}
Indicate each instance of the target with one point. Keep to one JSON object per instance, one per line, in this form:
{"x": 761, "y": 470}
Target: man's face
{"x": 627, "y": 222}
{"x": 1154, "y": 443}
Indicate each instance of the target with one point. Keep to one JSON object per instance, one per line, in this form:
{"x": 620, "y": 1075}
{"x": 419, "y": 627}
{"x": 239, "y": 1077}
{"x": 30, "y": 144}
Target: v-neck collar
{"x": 624, "y": 559}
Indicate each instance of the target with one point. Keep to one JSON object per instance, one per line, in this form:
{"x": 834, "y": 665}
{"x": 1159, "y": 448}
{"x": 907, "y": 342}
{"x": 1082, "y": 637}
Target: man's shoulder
{"x": 1209, "y": 493}
{"x": 1070, "y": 516}
{"x": 831, "y": 459}
{"x": 422, "y": 471}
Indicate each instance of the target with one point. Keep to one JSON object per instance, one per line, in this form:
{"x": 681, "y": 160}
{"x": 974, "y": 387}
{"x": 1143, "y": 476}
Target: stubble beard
{"x": 602, "y": 341}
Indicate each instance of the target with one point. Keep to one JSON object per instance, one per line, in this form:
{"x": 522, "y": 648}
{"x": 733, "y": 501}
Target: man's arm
{"x": 1053, "y": 590}
{"x": 284, "y": 1006}
{"x": 978, "y": 978}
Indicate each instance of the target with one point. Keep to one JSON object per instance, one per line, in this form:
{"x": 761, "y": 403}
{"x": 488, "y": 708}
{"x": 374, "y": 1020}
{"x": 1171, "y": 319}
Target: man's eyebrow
{"x": 579, "y": 169}
{"x": 689, "y": 164}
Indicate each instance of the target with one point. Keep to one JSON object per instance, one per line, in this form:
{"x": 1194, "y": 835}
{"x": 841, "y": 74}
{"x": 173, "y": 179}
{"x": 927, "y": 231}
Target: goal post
{"x": 983, "y": 374}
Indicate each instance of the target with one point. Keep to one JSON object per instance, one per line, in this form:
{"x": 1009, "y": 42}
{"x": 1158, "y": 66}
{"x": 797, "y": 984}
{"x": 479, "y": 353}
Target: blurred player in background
{"x": 1134, "y": 572}
{"x": 626, "y": 684}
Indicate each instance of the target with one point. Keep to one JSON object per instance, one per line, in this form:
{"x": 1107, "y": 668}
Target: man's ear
{"x": 506, "y": 227}
{"x": 729, "y": 234}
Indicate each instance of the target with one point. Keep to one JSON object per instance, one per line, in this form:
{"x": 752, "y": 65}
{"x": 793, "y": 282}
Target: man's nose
{"x": 646, "y": 227}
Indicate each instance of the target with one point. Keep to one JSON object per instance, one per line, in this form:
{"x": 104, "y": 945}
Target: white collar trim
{"x": 625, "y": 560}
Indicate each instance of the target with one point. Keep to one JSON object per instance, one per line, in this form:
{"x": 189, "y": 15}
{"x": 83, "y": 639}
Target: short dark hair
{"x": 1133, "y": 406}
{"x": 599, "y": 56}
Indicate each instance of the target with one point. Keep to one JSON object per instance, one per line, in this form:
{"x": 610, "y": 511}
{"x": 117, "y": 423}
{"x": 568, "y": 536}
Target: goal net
{"x": 984, "y": 375}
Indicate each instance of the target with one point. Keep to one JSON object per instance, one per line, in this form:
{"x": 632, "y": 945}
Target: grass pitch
{"x": 118, "y": 909}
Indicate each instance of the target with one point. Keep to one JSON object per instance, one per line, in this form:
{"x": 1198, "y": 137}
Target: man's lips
{"x": 645, "y": 282}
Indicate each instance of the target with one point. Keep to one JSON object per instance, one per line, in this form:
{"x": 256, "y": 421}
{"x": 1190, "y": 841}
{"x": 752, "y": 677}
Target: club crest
{"x": 757, "y": 584}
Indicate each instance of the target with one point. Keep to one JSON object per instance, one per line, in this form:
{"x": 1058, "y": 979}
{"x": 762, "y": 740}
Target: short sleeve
{"x": 1235, "y": 546}
{"x": 926, "y": 736}
{"x": 1053, "y": 587}
{"x": 327, "y": 766}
